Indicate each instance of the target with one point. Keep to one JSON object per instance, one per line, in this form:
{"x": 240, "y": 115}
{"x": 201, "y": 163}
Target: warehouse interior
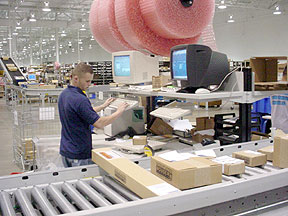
{"x": 205, "y": 108}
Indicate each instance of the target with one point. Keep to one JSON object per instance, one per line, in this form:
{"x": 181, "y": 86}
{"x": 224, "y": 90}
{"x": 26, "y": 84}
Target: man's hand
{"x": 122, "y": 107}
{"x": 108, "y": 102}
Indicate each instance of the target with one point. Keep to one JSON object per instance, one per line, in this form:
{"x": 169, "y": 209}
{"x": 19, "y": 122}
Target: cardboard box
{"x": 211, "y": 103}
{"x": 231, "y": 166}
{"x": 191, "y": 173}
{"x": 268, "y": 151}
{"x": 266, "y": 68}
{"x": 134, "y": 177}
{"x": 139, "y": 140}
{"x": 197, "y": 137}
{"x": 280, "y": 154}
{"x": 251, "y": 158}
{"x": 160, "y": 81}
{"x": 12, "y": 68}
{"x": 5, "y": 58}
{"x": 160, "y": 127}
{"x": 204, "y": 123}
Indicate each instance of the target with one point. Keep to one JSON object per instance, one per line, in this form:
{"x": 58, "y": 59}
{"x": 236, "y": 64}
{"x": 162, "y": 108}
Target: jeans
{"x": 67, "y": 162}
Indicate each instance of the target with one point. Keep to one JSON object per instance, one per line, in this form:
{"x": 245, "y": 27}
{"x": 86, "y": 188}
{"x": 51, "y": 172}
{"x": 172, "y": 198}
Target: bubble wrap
{"x": 170, "y": 19}
{"x": 103, "y": 26}
{"x": 135, "y": 31}
{"x": 208, "y": 37}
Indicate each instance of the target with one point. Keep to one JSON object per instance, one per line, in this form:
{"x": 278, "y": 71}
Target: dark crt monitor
{"x": 197, "y": 66}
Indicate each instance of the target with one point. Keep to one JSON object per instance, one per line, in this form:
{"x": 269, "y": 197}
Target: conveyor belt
{"x": 70, "y": 192}
{"x": 12, "y": 75}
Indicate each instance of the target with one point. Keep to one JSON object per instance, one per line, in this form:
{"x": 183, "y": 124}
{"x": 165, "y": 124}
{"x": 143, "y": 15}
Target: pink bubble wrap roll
{"x": 135, "y": 31}
{"x": 170, "y": 19}
{"x": 103, "y": 26}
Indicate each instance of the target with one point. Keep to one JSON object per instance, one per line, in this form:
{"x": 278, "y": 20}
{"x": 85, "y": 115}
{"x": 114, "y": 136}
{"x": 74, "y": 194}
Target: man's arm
{"x": 106, "y": 120}
{"x": 103, "y": 106}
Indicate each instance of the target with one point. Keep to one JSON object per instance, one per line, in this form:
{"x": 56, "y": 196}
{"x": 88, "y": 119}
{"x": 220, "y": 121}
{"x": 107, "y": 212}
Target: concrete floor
{"x": 7, "y": 165}
{"x": 6, "y": 154}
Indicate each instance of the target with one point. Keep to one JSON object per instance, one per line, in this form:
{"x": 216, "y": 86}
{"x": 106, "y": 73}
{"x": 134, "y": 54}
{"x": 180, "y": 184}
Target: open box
{"x": 266, "y": 69}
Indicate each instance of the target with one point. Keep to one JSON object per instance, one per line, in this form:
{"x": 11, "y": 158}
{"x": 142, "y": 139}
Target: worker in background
{"x": 279, "y": 109}
{"x": 76, "y": 116}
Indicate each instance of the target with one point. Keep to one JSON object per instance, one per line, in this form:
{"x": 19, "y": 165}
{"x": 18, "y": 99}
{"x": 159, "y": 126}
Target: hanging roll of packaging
{"x": 177, "y": 19}
{"x": 104, "y": 28}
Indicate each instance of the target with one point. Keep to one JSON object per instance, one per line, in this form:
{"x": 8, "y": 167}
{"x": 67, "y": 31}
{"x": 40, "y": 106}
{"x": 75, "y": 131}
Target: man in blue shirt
{"x": 76, "y": 116}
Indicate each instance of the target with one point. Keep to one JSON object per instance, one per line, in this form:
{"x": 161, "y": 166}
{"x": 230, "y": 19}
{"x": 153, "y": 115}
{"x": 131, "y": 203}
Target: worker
{"x": 279, "y": 109}
{"x": 76, "y": 116}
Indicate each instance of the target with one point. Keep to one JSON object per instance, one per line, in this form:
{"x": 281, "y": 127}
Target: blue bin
{"x": 262, "y": 106}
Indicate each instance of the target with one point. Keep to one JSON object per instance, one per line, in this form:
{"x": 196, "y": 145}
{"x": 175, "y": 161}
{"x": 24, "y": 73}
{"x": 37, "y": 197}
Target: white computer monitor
{"x": 133, "y": 67}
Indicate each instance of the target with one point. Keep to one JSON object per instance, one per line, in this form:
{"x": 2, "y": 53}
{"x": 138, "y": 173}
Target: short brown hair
{"x": 81, "y": 69}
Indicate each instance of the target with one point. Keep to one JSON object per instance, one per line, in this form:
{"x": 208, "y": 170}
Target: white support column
{"x": 57, "y": 46}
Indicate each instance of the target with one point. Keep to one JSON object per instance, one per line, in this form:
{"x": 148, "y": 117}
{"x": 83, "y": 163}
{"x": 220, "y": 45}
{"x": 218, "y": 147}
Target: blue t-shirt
{"x": 76, "y": 116}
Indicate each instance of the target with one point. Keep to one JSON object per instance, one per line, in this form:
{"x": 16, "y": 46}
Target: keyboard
{"x": 170, "y": 113}
{"x": 118, "y": 101}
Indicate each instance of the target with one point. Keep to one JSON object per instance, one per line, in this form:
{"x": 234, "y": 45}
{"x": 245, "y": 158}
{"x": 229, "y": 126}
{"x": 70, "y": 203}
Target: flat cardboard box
{"x": 231, "y": 166}
{"x": 199, "y": 137}
{"x": 137, "y": 179}
{"x": 268, "y": 151}
{"x": 251, "y": 158}
{"x": 139, "y": 140}
{"x": 160, "y": 127}
{"x": 191, "y": 173}
{"x": 280, "y": 154}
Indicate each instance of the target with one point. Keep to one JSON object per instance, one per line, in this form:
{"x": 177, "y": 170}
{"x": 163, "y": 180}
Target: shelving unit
{"x": 102, "y": 72}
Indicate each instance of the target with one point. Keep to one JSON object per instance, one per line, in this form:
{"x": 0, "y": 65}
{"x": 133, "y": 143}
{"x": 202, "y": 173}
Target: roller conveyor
{"x": 14, "y": 76}
{"x": 73, "y": 192}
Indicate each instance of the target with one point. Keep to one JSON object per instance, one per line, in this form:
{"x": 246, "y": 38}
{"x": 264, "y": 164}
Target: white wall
{"x": 266, "y": 36}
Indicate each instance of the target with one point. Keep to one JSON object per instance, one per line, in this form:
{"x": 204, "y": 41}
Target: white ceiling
{"x": 69, "y": 15}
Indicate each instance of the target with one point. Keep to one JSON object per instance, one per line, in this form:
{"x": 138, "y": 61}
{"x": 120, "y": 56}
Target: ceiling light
{"x": 18, "y": 26}
{"x": 80, "y": 42}
{"x": 82, "y": 27}
{"x": 5, "y": 42}
{"x": 90, "y": 46}
{"x": 66, "y": 52}
{"x": 92, "y": 38}
{"x": 73, "y": 50}
{"x": 15, "y": 33}
{"x": 277, "y": 11}
{"x": 9, "y": 38}
{"x": 32, "y": 18}
{"x": 46, "y": 8}
{"x": 222, "y": 5}
{"x": 231, "y": 20}
{"x": 63, "y": 34}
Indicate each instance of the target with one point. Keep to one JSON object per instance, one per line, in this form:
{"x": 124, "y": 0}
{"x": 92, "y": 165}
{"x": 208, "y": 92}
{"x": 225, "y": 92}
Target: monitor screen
{"x": 122, "y": 65}
{"x": 31, "y": 76}
{"x": 179, "y": 64}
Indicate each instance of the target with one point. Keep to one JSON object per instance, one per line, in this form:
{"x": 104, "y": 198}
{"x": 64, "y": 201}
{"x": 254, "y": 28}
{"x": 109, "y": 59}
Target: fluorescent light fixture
{"x": 92, "y": 38}
{"x": 32, "y": 18}
{"x": 80, "y": 42}
{"x": 73, "y": 50}
{"x": 46, "y": 8}
{"x": 66, "y": 52}
{"x": 18, "y": 26}
{"x": 15, "y": 33}
{"x": 277, "y": 11}
{"x": 222, "y": 5}
{"x": 82, "y": 27}
{"x": 90, "y": 46}
{"x": 231, "y": 20}
{"x": 9, "y": 38}
{"x": 63, "y": 34}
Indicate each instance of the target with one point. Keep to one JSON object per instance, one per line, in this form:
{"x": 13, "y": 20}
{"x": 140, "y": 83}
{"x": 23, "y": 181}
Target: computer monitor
{"x": 196, "y": 66}
{"x": 31, "y": 77}
{"x": 133, "y": 67}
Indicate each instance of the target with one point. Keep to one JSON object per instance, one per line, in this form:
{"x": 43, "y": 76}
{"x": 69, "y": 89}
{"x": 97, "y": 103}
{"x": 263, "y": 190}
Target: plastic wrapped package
{"x": 208, "y": 37}
{"x": 103, "y": 26}
{"x": 170, "y": 19}
{"x": 134, "y": 29}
